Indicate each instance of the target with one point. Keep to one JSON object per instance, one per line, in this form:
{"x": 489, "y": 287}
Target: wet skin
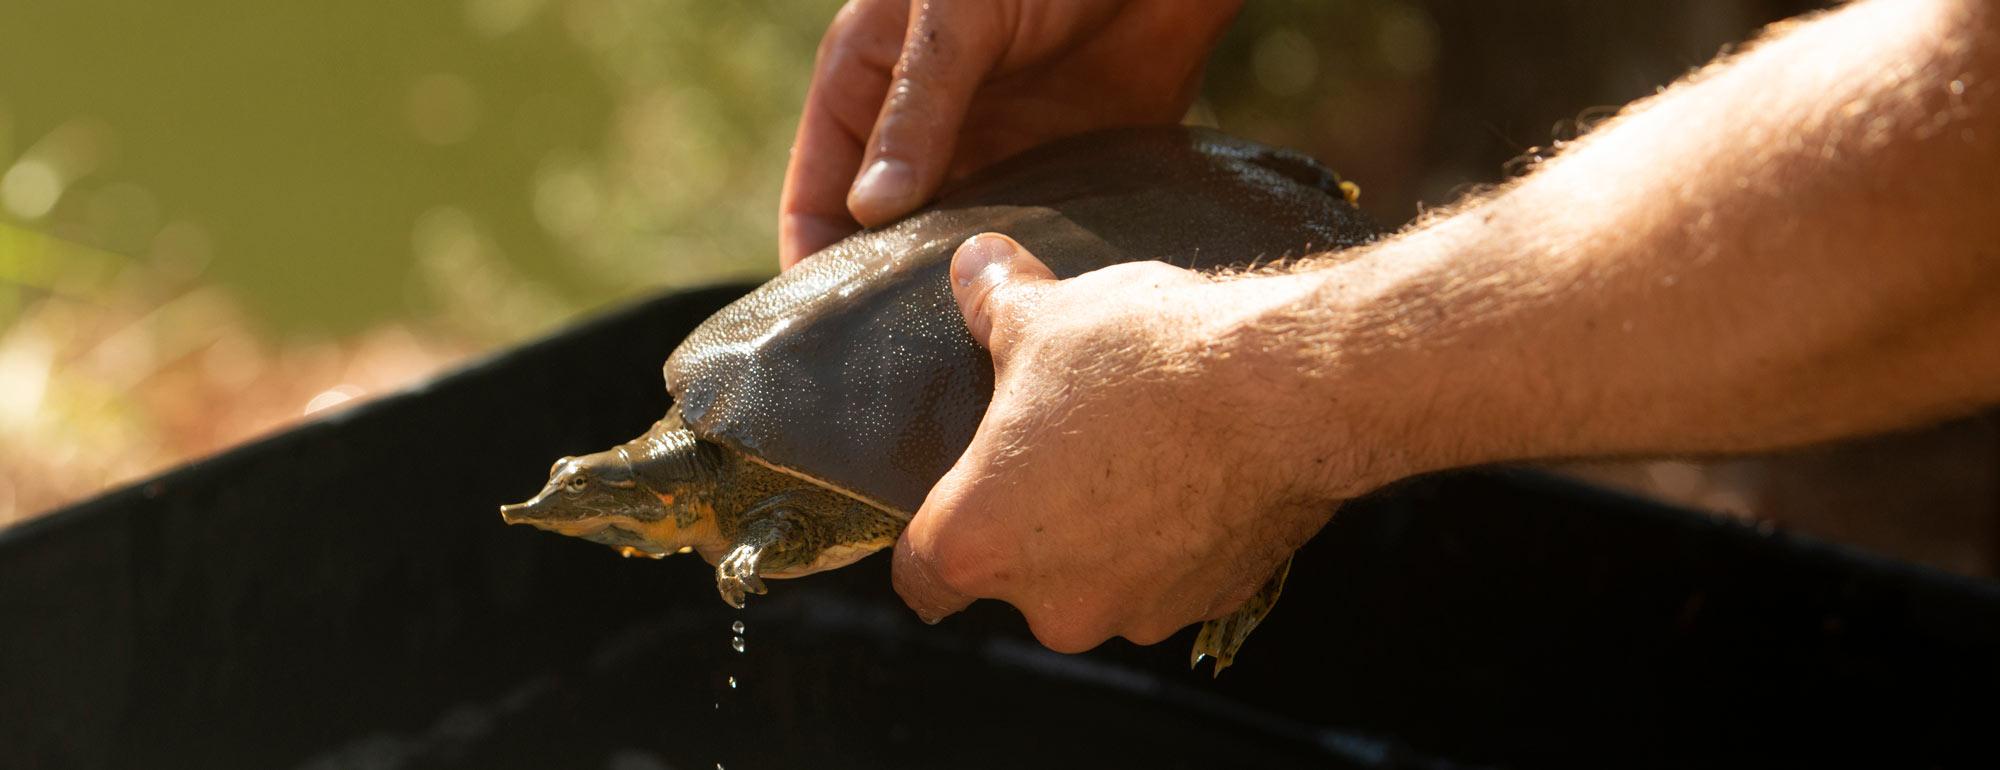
{"x": 814, "y": 415}
{"x": 667, "y": 490}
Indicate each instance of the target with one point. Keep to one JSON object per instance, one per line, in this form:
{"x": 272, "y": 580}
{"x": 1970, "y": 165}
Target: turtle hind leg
{"x": 1221, "y": 637}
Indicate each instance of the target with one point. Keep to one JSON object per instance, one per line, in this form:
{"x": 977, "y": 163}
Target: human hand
{"x": 1122, "y": 482}
{"x": 907, "y": 94}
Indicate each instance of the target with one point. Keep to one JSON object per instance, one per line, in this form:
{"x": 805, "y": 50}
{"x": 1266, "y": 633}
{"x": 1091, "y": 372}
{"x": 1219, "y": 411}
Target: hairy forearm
{"x": 1799, "y": 244}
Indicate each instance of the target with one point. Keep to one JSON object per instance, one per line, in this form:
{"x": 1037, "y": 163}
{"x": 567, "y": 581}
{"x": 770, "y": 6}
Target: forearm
{"x": 1801, "y": 244}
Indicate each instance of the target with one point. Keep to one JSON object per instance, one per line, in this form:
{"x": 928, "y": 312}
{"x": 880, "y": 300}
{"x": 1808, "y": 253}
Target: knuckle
{"x": 1010, "y": 312}
{"x": 978, "y": 300}
{"x": 854, "y": 16}
{"x": 863, "y": 32}
{"x": 1067, "y": 634}
{"x": 1152, "y": 629}
{"x": 960, "y": 569}
{"x": 838, "y": 30}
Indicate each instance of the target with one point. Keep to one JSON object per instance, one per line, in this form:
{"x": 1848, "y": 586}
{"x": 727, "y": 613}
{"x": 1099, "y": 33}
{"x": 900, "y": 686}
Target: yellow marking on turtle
{"x": 661, "y": 534}
{"x": 1351, "y": 192}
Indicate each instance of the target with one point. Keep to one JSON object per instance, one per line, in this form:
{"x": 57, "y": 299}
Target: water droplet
{"x": 732, "y": 683}
{"x": 736, "y": 643}
{"x": 736, "y": 626}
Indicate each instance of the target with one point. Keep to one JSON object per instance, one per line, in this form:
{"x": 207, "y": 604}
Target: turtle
{"x": 811, "y": 416}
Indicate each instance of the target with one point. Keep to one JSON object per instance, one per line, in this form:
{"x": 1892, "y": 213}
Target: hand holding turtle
{"x": 1106, "y": 492}
{"x": 812, "y": 417}
{"x": 1830, "y": 272}
{"x": 907, "y": 94}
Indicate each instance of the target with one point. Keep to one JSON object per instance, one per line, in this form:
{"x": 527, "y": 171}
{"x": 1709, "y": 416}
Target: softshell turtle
{"x": 812, "y": 416}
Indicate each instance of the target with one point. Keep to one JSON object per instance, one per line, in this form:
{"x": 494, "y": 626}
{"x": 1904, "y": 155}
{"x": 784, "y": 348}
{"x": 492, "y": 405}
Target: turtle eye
{"x": 576, "y": 483}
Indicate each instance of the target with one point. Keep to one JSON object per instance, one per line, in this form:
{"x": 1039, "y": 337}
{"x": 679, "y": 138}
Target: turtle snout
{"x": 523, "y": 512}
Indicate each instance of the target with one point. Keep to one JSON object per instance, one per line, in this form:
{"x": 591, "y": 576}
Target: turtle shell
{"x": 855, "y": 369}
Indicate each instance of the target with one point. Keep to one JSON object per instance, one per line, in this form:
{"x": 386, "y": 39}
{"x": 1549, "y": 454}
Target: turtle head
{"x": 644, "y": 494}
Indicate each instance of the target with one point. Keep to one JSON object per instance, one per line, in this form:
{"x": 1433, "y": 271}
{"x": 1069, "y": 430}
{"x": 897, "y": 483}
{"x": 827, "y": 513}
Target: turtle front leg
{"x": 737, "y": 572}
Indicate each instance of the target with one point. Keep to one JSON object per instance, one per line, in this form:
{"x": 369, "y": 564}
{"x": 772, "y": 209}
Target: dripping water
{"x": 735, "y": 643}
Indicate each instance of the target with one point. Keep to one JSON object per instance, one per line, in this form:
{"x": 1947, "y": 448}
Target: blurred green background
{"x": 218, "y": 217}
{"x": 494, "y": 165}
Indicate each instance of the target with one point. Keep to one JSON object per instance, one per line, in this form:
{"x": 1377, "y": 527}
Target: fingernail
{"x": 981, "y": 253}
{"x": 930, "y": 619}
{"x": 882, "y": 186}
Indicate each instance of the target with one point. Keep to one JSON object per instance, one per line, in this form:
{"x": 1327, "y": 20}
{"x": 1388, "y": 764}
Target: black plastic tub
{"x": 343, "y": 595}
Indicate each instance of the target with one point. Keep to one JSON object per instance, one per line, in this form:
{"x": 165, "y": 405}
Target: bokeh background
{"x": 219, "y": 217}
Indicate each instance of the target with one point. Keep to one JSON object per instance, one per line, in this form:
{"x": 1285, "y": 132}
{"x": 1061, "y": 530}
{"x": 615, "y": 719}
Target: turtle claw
{"x": 1218, "y": 639}
{"x": 1222, "y": 637}
{"x": 736, "y": 575}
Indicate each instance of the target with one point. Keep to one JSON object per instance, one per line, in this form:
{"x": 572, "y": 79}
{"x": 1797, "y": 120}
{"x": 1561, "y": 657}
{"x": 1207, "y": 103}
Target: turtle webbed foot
{"x": 736, "y": 574}
{"x": 1222, "y": 637}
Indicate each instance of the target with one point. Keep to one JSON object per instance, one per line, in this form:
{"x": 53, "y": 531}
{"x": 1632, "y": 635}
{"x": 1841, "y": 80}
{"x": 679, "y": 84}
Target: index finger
{"x": 850, "y": 81}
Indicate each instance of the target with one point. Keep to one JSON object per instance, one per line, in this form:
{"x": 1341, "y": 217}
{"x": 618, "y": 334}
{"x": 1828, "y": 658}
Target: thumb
{"x": 948, "y": 50}
{"x": 994, "y": 279}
